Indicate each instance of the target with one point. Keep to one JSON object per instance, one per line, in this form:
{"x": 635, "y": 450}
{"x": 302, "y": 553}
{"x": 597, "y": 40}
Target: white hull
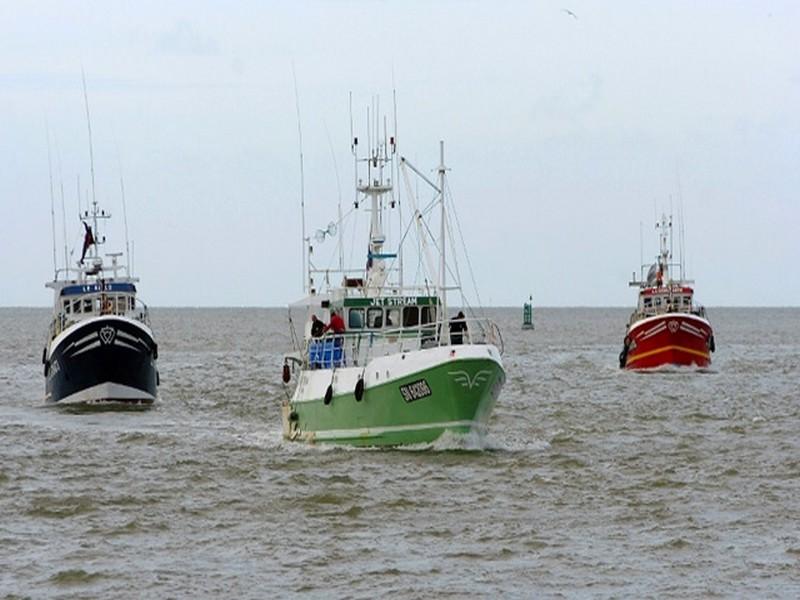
{"x": 107, "y": 392}
{"x": 313, "y": 384}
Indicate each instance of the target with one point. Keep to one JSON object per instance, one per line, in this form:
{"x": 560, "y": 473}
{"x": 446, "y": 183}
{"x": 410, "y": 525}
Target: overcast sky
{"x": 563, "y": 134}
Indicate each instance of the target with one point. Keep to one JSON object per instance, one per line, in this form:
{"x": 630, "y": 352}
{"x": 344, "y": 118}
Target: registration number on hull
{"x": 416, "y": 390}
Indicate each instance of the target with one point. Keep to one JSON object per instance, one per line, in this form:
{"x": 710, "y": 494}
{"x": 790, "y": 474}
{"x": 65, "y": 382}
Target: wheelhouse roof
{"x": 89, "y": 288}
{"x": 392, "y": 301}
{"x": 665, "y": 289}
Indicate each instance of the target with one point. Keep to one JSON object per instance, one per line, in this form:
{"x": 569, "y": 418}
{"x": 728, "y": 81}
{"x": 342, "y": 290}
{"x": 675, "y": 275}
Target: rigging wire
{"x": 466, "y": 254}
{"x": 338, "y": 192}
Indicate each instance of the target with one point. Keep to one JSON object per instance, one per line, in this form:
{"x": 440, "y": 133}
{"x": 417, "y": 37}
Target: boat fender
{"x": 158, "y": 378}
{"x": 359, "y": 391}
{"x": 623, "y": 356}
{"x": 293, "y": 417}
{"x": 711, "y": 345}
{"x": 328, "y": 395}
{"x": 155, "y": 351}
{"x": 287, "y": 374}
{"x": 44, "y": 355}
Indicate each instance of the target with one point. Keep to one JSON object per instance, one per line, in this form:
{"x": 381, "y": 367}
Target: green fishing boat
{"x": 392, "y": 366}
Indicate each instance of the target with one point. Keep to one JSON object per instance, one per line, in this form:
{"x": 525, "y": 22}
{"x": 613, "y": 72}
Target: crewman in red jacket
{"x": 336, "y": 324}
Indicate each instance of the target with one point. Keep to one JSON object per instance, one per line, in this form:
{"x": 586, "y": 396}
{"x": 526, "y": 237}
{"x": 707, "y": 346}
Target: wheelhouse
{"x": 77, "y": 300}
{"x": 393, "y": 312}
{"x": 657, "y": 300}
{"x": 96, "y": 299}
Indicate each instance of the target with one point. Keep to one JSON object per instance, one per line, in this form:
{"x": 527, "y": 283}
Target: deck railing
{"x": 100, "y": 306}
{"x": 357, "y": 347}
{"x": 696, "y": 310}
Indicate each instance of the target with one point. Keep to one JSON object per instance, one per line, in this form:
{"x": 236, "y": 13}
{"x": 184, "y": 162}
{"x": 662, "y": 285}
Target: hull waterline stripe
{"x": 107, "y": 392}
{"x": 636, "y": 357}
{"x": 369, "y": 432}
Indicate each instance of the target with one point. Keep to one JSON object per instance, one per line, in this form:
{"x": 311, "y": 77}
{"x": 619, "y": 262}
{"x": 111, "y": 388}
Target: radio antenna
{"x": 339, "y": 191}
{"x": 89, "y": 127}
{"x": 302, "y": 177}
{"x": 124, "y": 214}
{"x": 397, "y": 177}
{"x": 52, "y": 199}
{"x": 63, "y": 206}
{"x": 681, "y": 221}
{"x": 641, "y": 250}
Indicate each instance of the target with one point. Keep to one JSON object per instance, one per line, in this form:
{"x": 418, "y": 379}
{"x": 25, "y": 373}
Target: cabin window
{"x": 66, "y": 306}
{"x": 657, "y": 301}
{"x": 355, "y": 318}
{"x": 133, "y": 302}
{"x": 375, "y": 317}
{"x": 428, "y": 314}
{"x": 687, "y": 301}
{"x": 648, "y": 302}
{"x": 392, "y": 316}
{"x": 87, "y": 305}
{"x": 410, "y": 316}
{"x": 76, "y": 306}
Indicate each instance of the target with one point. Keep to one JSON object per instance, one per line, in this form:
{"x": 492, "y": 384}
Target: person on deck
{"x": 336, "y": 324}
{"x": 458, "y": 326}
{"x": 317, "y": 327}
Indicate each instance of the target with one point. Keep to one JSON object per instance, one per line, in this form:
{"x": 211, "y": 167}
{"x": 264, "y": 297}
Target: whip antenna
{"x": 339, "y": 192}
{"x": 302, "y": 176}
{"x": 89, "y": 127}
{"x": 52, "y": 200}
{"x": 124, "y": 215}
{"x": 63, "y": 207}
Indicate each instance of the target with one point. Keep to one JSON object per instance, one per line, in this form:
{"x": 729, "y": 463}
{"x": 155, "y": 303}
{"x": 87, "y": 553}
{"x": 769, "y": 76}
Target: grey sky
{"x": 562, "y": 136}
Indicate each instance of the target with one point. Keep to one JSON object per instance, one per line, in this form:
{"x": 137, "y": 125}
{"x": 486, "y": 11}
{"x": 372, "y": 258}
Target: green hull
{"x": 455, "y": 395}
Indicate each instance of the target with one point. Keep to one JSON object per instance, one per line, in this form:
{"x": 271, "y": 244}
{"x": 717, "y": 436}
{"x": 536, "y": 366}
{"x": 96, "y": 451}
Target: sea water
{"x": 593, "y": 482}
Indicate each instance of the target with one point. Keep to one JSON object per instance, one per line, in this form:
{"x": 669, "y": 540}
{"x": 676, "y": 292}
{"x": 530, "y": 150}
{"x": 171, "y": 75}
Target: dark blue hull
{"x": 104, "y": 359}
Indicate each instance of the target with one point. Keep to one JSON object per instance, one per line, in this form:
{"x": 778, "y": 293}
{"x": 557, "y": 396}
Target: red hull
{"x": 669, "y": 339}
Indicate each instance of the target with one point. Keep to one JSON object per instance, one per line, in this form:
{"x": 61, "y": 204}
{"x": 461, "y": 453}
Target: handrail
{"x": 357, "y": 347}
{"x": 697, "y": 310}
{"x": 62, "y": 320}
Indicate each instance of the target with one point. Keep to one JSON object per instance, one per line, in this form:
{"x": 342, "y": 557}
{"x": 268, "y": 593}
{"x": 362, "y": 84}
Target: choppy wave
{"x": 592, "y": 481}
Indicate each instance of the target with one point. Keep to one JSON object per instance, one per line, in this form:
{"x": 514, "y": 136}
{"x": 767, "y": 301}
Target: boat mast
{"x": 665, "y": 238}
{"x": 445, "y": 335}
{"x": 378, "y": 184}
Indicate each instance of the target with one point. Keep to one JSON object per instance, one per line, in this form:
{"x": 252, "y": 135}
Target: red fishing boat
{"x": 667, "y": 327}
